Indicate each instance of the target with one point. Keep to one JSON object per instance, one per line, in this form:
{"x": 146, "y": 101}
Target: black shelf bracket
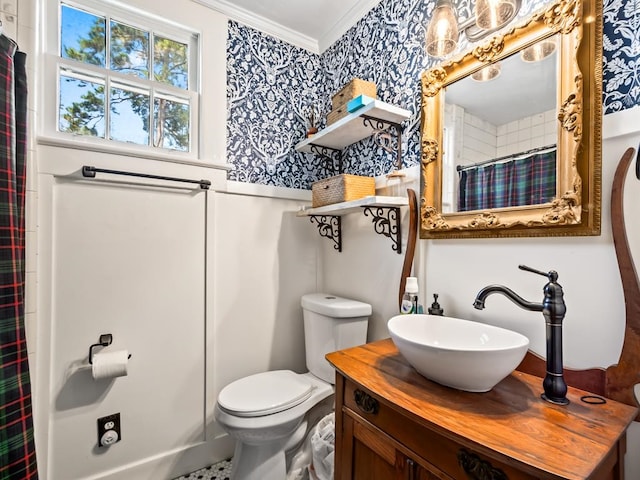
{"x": 331, "y": 156}
{"x": 386, "y": 221}
{"x": 379, "y": 126}
{"x": 329, "y": 226}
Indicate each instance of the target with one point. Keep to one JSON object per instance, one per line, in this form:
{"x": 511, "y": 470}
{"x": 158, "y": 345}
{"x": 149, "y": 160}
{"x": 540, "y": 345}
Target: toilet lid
{"x": 264, "y": 393}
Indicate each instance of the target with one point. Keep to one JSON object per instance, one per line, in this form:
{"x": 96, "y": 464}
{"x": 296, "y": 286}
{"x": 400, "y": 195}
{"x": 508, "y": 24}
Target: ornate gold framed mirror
{"x": 511, "y": 131}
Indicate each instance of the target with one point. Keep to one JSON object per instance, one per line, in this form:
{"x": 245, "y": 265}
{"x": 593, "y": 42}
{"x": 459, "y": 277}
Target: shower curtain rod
{"x": 459, "y": 168}
{"x": 90, "y": 172}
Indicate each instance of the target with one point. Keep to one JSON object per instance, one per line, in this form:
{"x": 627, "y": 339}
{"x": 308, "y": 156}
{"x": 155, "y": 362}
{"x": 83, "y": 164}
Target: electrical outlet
{"x": 109, "y": 430}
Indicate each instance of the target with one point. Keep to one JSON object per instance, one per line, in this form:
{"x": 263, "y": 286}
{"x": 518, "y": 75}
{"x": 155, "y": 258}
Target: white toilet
{"x": 269, "y": 413}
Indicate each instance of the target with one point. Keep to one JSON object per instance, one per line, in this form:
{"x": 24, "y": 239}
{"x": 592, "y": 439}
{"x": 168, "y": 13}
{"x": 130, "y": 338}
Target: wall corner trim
{"x": 342, "y": 26}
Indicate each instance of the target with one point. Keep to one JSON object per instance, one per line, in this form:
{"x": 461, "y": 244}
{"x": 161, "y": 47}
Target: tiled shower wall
{"x": 530, "y": 132}
{"x": 483, "y": 140}
{"x": 272, "y": 85}
{"x": 479, "y": 141}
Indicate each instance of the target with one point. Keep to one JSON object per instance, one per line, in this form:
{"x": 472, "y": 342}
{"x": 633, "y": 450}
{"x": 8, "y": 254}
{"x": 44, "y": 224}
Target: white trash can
{"x": 323, "y": 445}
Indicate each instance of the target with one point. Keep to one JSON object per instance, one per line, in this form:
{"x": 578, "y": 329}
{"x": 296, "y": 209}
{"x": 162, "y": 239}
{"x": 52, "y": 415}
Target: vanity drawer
{"x": 444, "y": 453}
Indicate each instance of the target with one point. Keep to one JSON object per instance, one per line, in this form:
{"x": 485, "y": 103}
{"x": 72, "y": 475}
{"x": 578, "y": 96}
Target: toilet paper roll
{"x": 110, "y": 364}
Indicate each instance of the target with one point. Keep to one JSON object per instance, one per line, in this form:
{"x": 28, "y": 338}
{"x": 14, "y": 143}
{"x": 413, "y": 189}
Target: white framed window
{"x": 125, "y": 80}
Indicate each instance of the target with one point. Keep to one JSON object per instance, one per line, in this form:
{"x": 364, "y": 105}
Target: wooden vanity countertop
{"x": 511, "y": 422}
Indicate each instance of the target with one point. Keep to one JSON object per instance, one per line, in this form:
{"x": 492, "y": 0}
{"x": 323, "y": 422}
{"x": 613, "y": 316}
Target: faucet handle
{"x": 551, "y": 275}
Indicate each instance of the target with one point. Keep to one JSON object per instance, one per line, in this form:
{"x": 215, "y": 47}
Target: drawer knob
{"x": 365, "y": 402}
{"x": 411, "y": 469}
{"x": 478, "y": 469}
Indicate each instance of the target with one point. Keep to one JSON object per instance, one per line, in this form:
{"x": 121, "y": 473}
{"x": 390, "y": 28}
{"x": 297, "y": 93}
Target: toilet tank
{"x": 331, "y": 323}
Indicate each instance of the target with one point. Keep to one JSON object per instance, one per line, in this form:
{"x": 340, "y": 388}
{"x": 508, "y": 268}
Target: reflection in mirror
{"x": 500, "y": 133}
{"x": 511, "y": 131}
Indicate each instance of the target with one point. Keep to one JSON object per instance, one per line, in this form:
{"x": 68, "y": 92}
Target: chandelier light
{"x": 487, "y": 73}
{"x": 539, "y": 51}
{"x": 494, "y": 14}
{"x": 442, "y": 33}
{"x": 444, "y": 29}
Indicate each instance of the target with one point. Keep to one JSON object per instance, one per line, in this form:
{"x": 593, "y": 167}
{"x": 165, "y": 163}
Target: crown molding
{"x": 262, "y": 24}
{"x": 355, "y": 13}
{"x": 342, "y": 26}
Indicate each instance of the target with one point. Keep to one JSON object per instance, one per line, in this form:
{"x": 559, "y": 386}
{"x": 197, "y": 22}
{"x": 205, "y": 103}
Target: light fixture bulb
{"x": 442, "y": 32}
{"x": 487, "y": 73}
{"x": 493, "y": 14}
{"x": 538, "y": 51}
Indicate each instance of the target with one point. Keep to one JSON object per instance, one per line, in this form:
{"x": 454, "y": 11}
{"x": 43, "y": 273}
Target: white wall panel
{"x": 587, "y": 268}
{"x": 266, "y": 259}
{"x": 368, "y": 269}
{"x": 127, "y": 260}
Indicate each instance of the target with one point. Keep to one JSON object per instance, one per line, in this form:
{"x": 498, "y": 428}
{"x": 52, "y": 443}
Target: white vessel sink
{"x": 458, "y": 353}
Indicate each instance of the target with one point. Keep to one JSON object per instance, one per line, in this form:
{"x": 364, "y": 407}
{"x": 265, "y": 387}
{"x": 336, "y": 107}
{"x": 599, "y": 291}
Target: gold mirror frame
{"x": 576, "y": 207}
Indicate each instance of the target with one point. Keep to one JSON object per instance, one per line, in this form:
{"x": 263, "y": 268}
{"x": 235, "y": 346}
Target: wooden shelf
{"x": 328, "y": 143}
{"x": 352, "y": 129}
{"x": 384, "y": 213}
{"x": 343, "y": 208}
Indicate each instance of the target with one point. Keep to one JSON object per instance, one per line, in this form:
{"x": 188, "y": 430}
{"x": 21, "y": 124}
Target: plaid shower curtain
{"x": 529, "y": 180}
{"x": 17, "y": 448}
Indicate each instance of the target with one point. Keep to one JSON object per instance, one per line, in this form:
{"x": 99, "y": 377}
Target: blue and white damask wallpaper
{"x": 271, "y": 86}
{"x": 621, "y": 55}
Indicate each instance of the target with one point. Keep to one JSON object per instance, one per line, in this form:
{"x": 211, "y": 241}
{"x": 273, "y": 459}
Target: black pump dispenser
{"x": 435, "y": 308}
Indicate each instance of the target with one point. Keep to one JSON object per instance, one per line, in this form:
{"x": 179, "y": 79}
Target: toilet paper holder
{"x": 104, "y": 341}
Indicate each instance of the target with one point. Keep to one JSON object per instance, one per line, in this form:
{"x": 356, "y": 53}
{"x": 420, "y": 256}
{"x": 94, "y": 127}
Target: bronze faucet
{"x": 553, "y": 308}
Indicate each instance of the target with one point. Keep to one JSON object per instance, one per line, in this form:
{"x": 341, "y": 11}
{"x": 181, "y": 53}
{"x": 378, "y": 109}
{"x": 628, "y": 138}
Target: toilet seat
{"x": 264, "y": 393}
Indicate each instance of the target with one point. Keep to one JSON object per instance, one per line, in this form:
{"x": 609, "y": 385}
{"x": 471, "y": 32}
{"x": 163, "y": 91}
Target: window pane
{"x": 82, "y": 36}
{"x": 129, "y": 50}
{"x": 81, "y": 105}
{"x": 171, "y": 123}
{"x": 170, "y": 62}
{"x": 129, "y": 120}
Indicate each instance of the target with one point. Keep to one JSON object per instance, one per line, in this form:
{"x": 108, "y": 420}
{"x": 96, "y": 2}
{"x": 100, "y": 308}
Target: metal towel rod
{"x": 90, "y": 172}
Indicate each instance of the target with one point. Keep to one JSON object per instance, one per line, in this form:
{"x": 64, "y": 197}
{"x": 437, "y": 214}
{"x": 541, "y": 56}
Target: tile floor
{"x": 218, "y": 471}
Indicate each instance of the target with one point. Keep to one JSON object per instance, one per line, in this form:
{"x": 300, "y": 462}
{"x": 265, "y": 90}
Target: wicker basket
{"x": 341, "y": 188}
{"x": 355, "y": 87}
{"x": 336, "y": 114}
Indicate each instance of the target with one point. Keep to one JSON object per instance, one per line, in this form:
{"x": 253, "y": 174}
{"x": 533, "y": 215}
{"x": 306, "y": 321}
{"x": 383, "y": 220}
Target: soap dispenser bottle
{"x": 435, "y": 308}
{"x": 410, "y": 297}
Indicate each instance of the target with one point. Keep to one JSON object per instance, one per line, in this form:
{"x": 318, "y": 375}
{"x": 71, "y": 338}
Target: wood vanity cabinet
{"x": 394, "y": 424}
{"x": 368, "y": 453}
